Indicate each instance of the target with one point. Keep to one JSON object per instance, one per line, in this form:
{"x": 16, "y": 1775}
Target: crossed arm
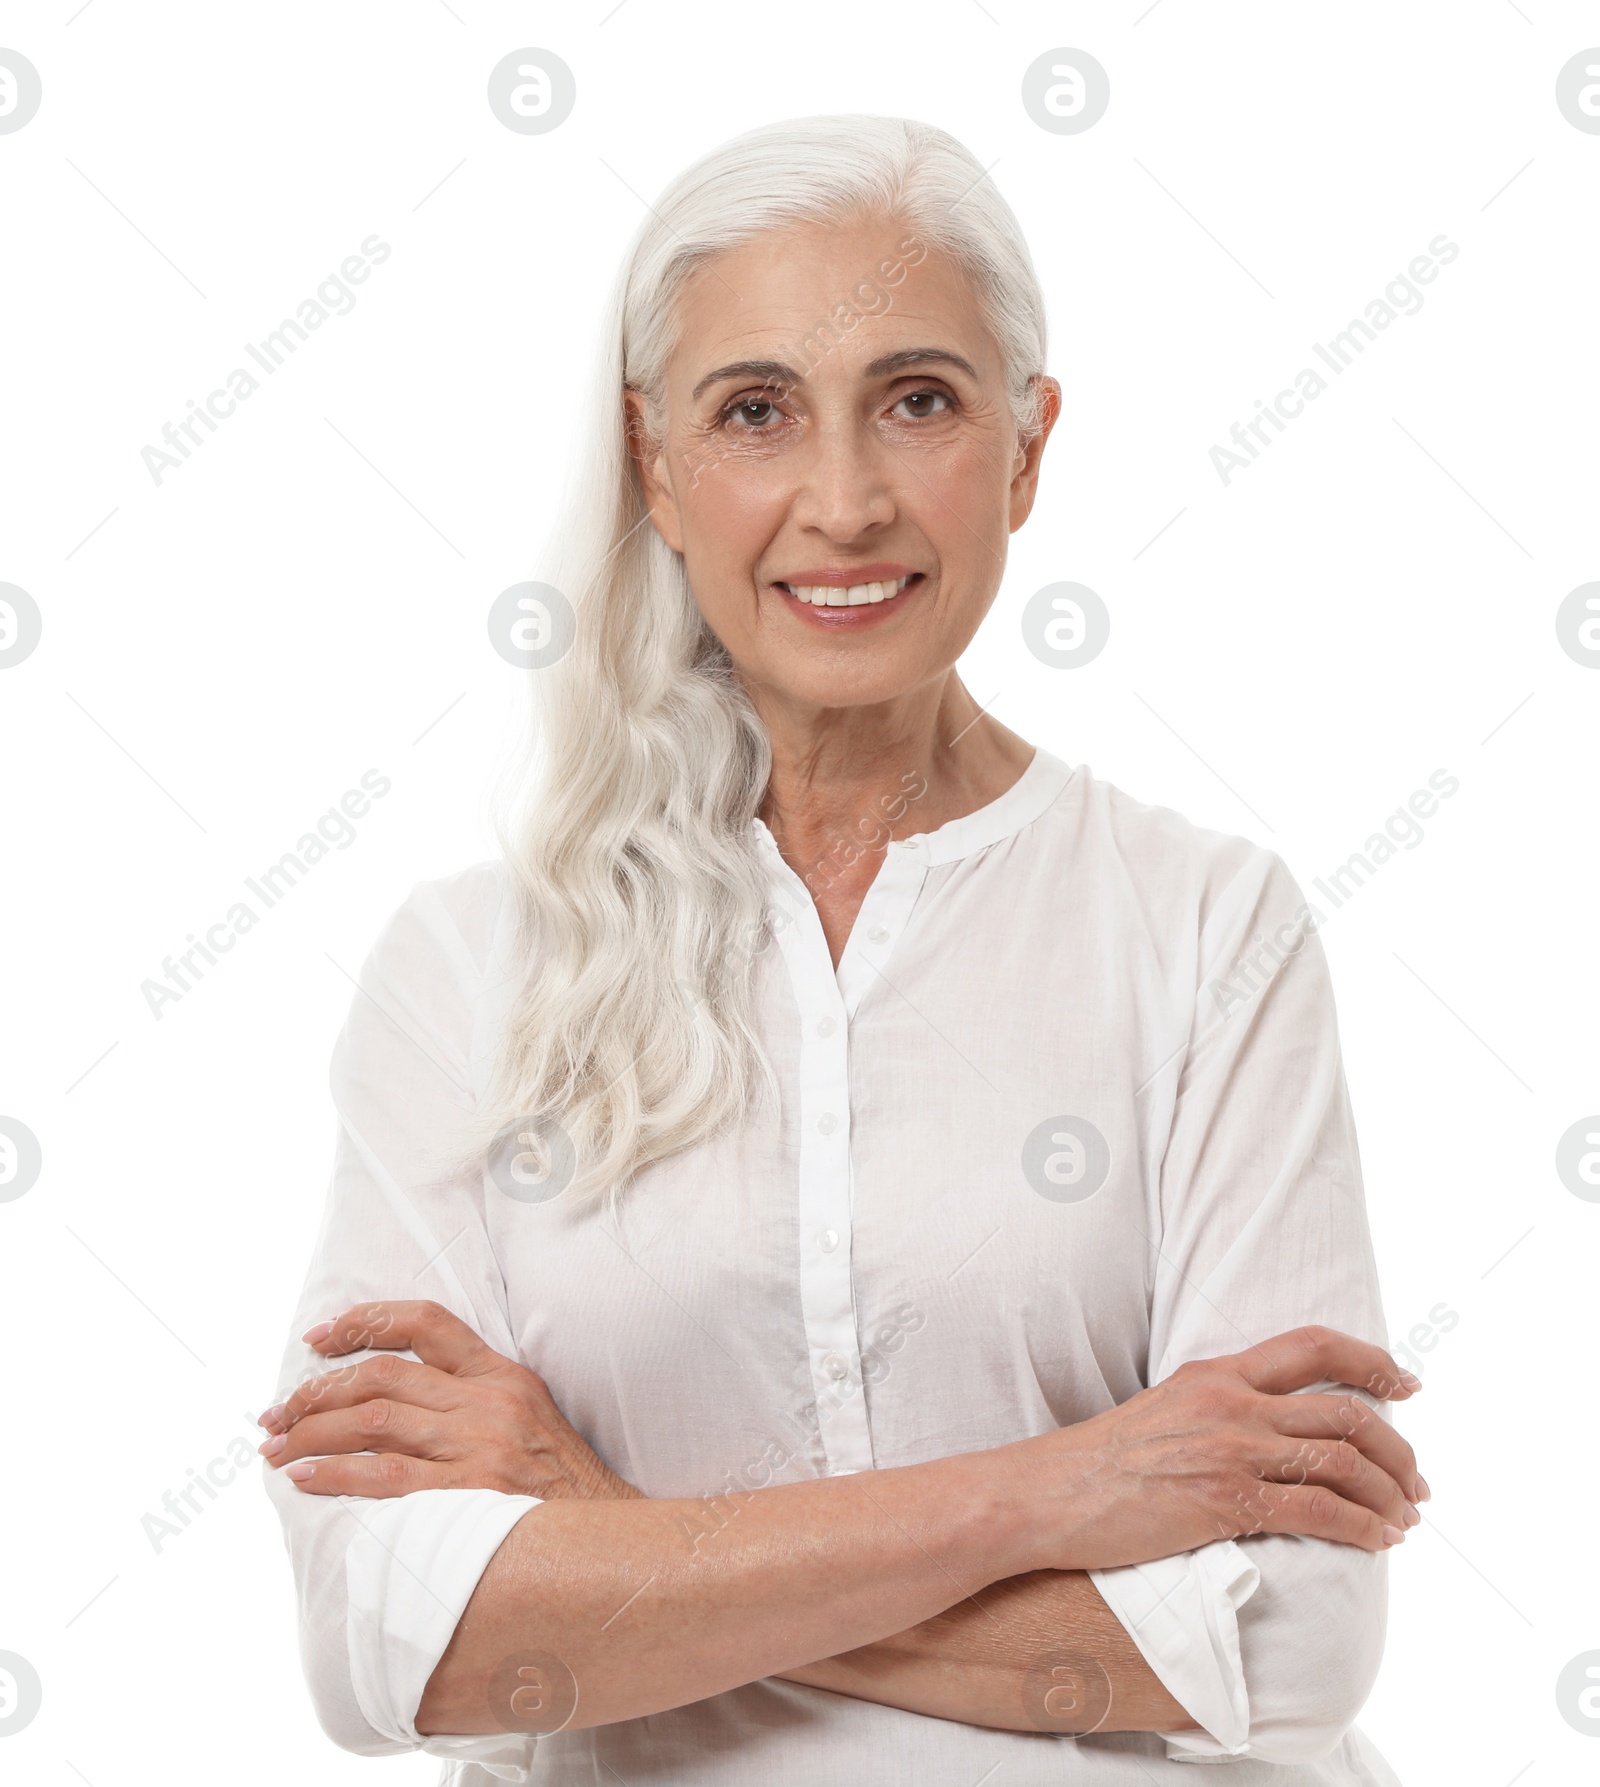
{"x": 951, "y": 1588}
{"x": 1039, "y": 1651}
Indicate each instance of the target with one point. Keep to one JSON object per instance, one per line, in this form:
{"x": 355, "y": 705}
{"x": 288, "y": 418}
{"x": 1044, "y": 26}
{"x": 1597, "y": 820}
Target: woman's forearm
{"x": 1040, "y": 1652}
{"x": 611, "y": 1605}
{"x": 618, "y": 1609}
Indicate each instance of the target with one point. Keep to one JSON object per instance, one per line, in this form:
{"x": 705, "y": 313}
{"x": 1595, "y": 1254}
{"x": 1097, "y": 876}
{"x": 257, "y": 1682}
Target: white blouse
{"x": 1070, "y": 1113}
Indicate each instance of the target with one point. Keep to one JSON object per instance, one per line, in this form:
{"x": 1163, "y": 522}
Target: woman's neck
{"x": 845, "y": 781}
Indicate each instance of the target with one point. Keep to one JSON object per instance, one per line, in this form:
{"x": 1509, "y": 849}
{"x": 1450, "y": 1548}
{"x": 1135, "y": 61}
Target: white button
{"x": 877, "y": 935}
{"x": 826, "y": 1027}
{"x": 828, "y": 1239}
{"x": 836, "y": 1366}
{"x": 827, "y": 1123}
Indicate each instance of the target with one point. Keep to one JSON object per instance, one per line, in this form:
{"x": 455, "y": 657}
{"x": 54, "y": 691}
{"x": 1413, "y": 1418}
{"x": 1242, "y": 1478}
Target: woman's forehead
{"x": 766, "y": 306}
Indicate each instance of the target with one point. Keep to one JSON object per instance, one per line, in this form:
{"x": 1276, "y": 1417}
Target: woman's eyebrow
{"x": 772, "y": 371}
{"x": 777, "y": 373}
{"x": 918, "y": 356}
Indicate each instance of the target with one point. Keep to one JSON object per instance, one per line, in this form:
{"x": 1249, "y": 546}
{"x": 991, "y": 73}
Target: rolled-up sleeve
{"x": 380, "y": 1583}
{"x": 1272, "y": 1642}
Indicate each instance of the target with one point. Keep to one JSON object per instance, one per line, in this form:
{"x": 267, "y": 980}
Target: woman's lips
{"x": 856, "y": 592}
{"x": 850, "y": 614}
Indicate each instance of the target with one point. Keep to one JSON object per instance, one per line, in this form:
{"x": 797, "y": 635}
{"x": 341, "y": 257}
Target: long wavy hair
{"x": 627, "y": 824}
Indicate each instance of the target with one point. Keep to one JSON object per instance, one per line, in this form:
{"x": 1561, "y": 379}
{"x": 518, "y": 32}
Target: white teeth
{"x": 833, "y": 595}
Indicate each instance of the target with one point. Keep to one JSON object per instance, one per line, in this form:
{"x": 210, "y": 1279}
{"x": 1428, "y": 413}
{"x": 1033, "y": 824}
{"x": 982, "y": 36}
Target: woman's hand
{"x": 466, "y": 1417}
{"x": 1222, "y": 1449}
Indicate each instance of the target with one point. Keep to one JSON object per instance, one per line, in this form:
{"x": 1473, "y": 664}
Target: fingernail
{"x": 270, "y": 1417}
{"x": 1424, "y": 1493}
{"x": 1392, "y": 1535}
{"x": 271, "y": 1448}
{"x": 1410, "y": 1380}
{"x": 303, "y": 1467}
{"x": 320, "y": 1331}
{"x": 1413, "y": 1518}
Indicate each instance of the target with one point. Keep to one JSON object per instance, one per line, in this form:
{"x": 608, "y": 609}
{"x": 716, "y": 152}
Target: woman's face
{"x": 836, "y": 417}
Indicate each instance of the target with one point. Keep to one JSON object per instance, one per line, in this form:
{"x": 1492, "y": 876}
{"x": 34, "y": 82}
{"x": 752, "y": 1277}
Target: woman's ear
{"x": 1025, "y": 479}
{"x": 648, "y": 455}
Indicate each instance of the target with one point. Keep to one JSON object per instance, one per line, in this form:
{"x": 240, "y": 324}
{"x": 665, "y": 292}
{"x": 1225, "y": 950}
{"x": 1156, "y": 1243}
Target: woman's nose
{"x": 846, "y": 483}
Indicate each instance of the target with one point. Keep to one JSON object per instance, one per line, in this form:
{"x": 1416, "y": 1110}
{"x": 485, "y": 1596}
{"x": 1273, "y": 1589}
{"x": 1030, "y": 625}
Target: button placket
{"x": 826, "y": 1291}
{"x": 882, "y": 918}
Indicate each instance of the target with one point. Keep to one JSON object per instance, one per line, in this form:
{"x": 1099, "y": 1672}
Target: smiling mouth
{"x": 854, "y": 595}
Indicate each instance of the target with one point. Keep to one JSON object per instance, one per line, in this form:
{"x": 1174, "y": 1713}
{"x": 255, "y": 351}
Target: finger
{"x": 380, "y": 1475}
{"x": 429, "y": 1329}
{"x": 1350, "y": 1418}
{"x": 382, "y": 1375}
{"x": 1315, "y": 1512}
{"x": 1339, "y": 1466}
{"x": 1308, "y": 1355}
{"x": 375, "y": 1426}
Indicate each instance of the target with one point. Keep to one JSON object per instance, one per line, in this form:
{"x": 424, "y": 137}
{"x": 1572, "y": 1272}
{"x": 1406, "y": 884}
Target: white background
{"x": 224, "y": 654}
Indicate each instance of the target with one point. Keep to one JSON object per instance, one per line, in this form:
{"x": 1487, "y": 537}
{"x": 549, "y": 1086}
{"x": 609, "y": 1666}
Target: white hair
{"x": 642, "y": 896}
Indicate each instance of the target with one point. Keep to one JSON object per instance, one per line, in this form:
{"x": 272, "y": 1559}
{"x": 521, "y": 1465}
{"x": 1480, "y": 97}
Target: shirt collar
{"x": 1030, "y": 795}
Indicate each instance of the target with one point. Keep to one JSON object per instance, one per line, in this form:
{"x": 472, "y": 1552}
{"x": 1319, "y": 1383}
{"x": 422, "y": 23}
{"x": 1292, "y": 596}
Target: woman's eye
{"x": 754, "y": 412}
{"x": 922, "y": 402}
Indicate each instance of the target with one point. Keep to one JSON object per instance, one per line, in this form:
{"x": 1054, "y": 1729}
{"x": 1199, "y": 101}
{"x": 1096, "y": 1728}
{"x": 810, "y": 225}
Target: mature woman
{"x": 917, "y": 1322}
